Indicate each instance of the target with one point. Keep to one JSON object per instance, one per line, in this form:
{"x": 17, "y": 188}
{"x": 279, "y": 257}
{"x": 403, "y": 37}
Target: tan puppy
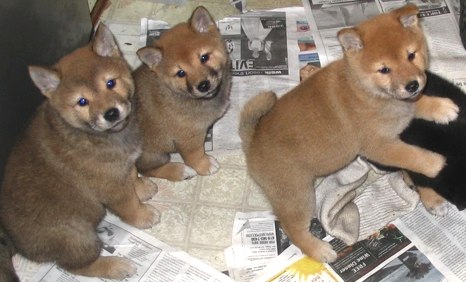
{"x": 76, "y": 159}
{"x": 355, "y": 106}
{"x": 182, "y": 88}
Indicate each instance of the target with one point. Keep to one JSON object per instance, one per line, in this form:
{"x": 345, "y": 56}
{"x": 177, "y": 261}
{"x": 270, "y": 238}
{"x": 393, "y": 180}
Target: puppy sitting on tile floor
{"x": 182, "y": 88}
{"x": 75, "y": 160}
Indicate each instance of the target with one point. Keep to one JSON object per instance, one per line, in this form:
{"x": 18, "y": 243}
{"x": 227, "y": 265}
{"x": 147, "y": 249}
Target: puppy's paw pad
{"x": 447, "y": 111}
{"x": 188, "y": 172}
{"x": 440, "y": 209}
{"x": 121, "y": 268}
{"x": 214, "y": 165}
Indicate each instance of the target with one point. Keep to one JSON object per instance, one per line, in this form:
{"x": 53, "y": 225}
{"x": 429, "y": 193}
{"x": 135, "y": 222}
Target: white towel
{"x": 358, "y": 200}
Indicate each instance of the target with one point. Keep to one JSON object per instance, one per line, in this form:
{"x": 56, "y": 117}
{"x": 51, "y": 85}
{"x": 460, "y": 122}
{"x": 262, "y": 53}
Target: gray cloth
{"x": 358, "y": 200}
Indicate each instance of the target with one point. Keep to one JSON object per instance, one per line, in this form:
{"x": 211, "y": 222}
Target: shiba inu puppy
{"x": 76, "y": 159}
{"x": 357, "y": 105}
{"x": 182, "y": 88}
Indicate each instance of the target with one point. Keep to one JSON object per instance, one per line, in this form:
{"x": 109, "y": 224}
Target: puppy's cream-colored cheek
{"x": 83, "y": 113}
{"x": 124, "y": 89}
{"x": 219, "y": 58}
{"x": 128, "y": 85}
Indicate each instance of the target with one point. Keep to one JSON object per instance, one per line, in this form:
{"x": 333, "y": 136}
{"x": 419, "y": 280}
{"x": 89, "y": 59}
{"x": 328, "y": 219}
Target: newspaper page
{"x": 293, "y": 266}
{"x": 254, "y": 243}
{"x": 155, "y": 260}
{"x": 439, "y": 19}
{"x": 267, "y": 50}
{"x": 261, "y": 251}
{"x": 263, "y": 47}
{"x": 441, "y": 239}
{"x": 257, "y": 239}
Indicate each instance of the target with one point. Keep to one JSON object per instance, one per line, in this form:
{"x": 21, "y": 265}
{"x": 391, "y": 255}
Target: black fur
{"x": 448, "y": 140}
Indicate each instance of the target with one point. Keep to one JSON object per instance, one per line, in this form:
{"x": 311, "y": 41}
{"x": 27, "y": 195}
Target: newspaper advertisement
{"x": 267, "y": 50}
{"x": 439, "y": 19}
{"x": 261, "y": 251}
{"x": 257, "y": 239}
{"x": 292, "y": 265}
{"x": 155, "y": 260}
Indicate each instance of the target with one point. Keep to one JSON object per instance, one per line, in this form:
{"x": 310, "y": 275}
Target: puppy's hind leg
{"x": 159, "y": 165}
{"x": 144, "y": 187}
{"x": 194, "y": 155}
{"x": 111, "y": 267}
{"x": 432, "y": 201}
{"x": 293, "y": 200}
{"x": 79, "y": 250}
{"x": 127, "y": 205}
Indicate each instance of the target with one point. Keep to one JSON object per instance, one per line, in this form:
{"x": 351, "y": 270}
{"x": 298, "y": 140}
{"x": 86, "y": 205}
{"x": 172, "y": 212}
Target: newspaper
{"x": 442, "y": 239}
{"x": 408, "y": 265}
{"x": 260, "y": 251}
{"x": 155, "y": 260}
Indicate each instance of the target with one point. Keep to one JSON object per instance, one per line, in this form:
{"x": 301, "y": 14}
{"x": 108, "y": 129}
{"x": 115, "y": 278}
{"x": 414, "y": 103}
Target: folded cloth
{"x": 358, "y": 200}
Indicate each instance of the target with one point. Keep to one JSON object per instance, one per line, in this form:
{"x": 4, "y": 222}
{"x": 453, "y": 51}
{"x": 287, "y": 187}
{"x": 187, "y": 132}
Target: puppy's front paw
{"x": 445, "y": 111}
{"x": 188, "y": 172}
{"x": 434, "y": 165}
{"x": 148, "y": 216}
{"x": 325, "y": 253}
{"x": 214, "y": 165}
{"x": 145, "y": 188}
{"x": 207, "y": 165}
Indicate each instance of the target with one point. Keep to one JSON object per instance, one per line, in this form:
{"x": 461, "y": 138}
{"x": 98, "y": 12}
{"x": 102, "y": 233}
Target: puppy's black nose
{"x": 412, "y": 86}
{"x": 112, "y": 114}
{"x": 204, "y": 86}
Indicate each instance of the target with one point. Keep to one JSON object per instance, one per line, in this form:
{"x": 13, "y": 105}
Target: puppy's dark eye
{"x": 204, "y": 58}
{"x": 83, "y": 102}
{"x": 384, "y": 70}
{"x": 411, "y": 56}
{"x": 181, "y": 73}
{"x": 111, "y": 83}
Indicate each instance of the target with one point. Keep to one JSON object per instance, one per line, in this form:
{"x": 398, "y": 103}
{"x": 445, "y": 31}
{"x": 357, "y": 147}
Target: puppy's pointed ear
{"x": 150, "y": 56}
{"x": 350, "y": 40}
{"x": 45, "y": 79}
{"x": 408, "y": 15}
{"x": 201, "y": 20}
{"x": 104, "y": 43}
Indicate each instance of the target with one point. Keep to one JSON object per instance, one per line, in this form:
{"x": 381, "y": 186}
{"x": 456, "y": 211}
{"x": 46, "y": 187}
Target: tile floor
{"x": 198, "y": 214}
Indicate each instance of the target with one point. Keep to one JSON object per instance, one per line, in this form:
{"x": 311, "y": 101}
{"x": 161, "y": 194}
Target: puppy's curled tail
{"x": 252, "y": 112}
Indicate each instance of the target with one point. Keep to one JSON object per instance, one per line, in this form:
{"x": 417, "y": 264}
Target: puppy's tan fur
{"x": 355, "y": 106}
{"x": 182, "y": 88}
{"x": 76, "y": 159}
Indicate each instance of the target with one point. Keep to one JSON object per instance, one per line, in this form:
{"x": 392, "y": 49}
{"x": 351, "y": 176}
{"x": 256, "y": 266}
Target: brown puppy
{"x": 76, "y": 159}
{"x": 182, "y": 88}
{"x": 355, "y": 106}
